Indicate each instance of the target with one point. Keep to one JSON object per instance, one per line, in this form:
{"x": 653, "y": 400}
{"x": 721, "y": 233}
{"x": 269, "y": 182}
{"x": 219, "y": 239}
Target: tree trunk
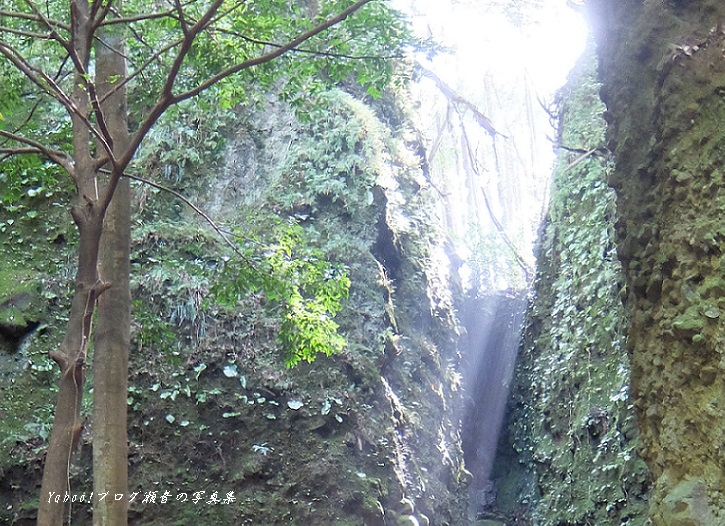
{"x": 71, "y": 356}
{"x": 110, "y": 357}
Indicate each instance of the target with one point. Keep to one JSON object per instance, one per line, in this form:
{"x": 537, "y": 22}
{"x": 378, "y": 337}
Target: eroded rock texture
{"x": 663, "y": 69}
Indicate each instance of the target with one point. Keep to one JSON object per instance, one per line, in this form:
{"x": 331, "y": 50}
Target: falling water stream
{"x": 494, "y": 326}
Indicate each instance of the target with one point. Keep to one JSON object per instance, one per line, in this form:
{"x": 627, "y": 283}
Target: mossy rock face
{"x": 663, "y": 80}
{"x": 343, "y": 441}
{"x": 18, "y": 315}
{"x": 569, "y": 453}
{"x": 687, "y": 504}
{"x": 21, "y": 309}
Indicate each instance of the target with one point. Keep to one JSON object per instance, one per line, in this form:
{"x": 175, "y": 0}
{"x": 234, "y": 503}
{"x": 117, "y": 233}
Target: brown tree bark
{"x": 71, "y": 356}
{"x": 112, "y": 338}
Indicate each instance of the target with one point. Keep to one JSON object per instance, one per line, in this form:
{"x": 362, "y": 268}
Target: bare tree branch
{"x": 182, "y": 19}
{"x": 47, "y": 23}
{"x": 29, "y": 34}
{"x": 95, "y": 8}
{"x": 155, "y": 55}
{"x": 167, "y": 98}
{"x": 303, "y": 50}
{"x": 33, "y": 146}
{"x": 49, "y": 85}
{"x": 227, "y": 12}
{"x": 528, "y": 272}
{"x": 36, "y": 104}
{"x": 137, "y": 18}
{"x": 189, "y": 38}
{"x": 598, "y": 151}
{"x": 143, "y": 17}
{"x": 11, "y": 152}
{"x": 33, "y": 18}
{"x": 35, "y": 75}
{"x": 445, "y": 123}
{"x": 102, "y": 134}
{"x": 457, "y": 99}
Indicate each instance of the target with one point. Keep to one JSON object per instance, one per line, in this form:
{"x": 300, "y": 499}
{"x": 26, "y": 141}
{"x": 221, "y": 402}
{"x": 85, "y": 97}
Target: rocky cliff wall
{"x": 368, "y": 436}
{"x": 569, "y": 452}
{"x": 663, "y": 77}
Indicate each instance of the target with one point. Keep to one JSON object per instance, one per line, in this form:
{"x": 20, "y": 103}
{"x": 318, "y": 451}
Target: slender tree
{"x": 112, "y": 339}
{"x": 177, "y": 50}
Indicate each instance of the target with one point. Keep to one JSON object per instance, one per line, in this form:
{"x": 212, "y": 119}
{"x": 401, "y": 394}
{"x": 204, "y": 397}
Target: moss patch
{"x": 571, "y": 432}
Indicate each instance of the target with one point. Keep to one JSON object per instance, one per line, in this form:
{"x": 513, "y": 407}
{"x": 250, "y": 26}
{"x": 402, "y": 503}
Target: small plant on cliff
{"x": 305, "y": 290}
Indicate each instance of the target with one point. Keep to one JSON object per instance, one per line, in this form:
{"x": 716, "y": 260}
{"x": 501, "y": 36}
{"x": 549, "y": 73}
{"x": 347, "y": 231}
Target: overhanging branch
{"x": 139, "y": 70}
{"x": 165, "y": 100}
{"x": 329, "y": 54}
{"x": 50, "y": 25}
{"x": 457, "y": 100}
{"x": 33, "y": 146}
{"x": 273, "y": 54}
{"x": 33, "y": 18}
{"x": 28, "y": 34}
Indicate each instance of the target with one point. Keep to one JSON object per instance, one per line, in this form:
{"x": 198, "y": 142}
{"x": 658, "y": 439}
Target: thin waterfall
{"x": 494, "y": 324}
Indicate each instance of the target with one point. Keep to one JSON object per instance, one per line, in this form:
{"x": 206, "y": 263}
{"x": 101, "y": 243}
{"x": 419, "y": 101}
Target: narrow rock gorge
{"x": 466, "y": 388}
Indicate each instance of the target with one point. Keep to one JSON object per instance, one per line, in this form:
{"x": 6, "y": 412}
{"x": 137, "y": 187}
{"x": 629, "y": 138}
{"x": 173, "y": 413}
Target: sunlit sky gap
{"x": 484, "y": 39}
{"x": 508, "y": 67}
{"x": 489, "y": 51}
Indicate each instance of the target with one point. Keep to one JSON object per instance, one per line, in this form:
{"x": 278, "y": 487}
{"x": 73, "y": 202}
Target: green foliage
{"x": 307, "y": 291}
{"x": 577, "y": 428}
{"x": 491, "y": 261}
{"x": 29, "y": 176}
{"x": 173, "y": 267}
{"x": 361, "y": 50}
{"x": 153, "y": 332}
{"x": 335, "y": 160}
{"x": 389, "y": 34}
{"x": 188, "y": 135}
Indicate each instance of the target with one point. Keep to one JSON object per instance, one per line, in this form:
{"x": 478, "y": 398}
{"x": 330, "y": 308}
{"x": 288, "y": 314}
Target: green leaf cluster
{"x": 28, "y": 176}
{"x": 335, "y": 160}
{"x": 304, "y": 289}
